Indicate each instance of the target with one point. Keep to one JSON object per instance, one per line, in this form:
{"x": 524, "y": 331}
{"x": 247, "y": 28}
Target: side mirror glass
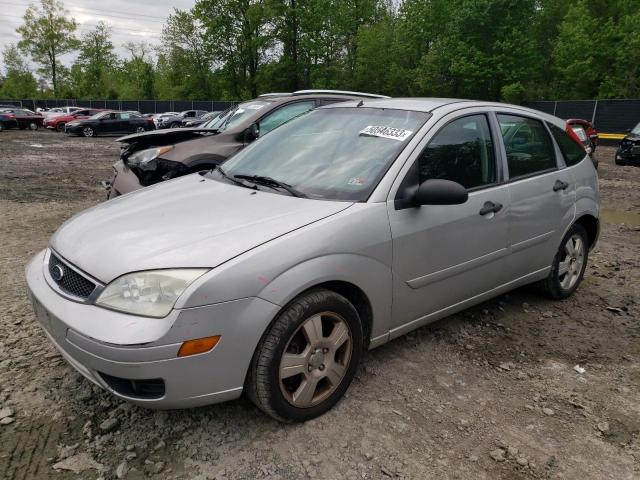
{"x": 440, "y": 192}
{"x": 252, "y": 132}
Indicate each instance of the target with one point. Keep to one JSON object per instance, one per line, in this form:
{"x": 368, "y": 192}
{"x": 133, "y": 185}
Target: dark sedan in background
{"x": 628, "y": 152}
{"x": 196, "y": 122}
{"x": 109, "y": 123}
{"x": 7, "y": 120}
{"x": 25, "y": 118}
{"x": 176, "y": 120}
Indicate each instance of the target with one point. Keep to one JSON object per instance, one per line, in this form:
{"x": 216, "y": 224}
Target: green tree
{"x": 47, "y": 33}
{"x": 574, "y": 56}
{"x": 94, "y": 68}
{"x": 240, "y": 34}
{"x": 137, "y": 75}
{"x": 19, "y": 82}
{"x": 186, "y": 56}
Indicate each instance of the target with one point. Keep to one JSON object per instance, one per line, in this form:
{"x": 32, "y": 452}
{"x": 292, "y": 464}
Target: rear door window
{"x": 571, "y": 150}
{"x": 462, "y": 152}
{"x": 528, "y": 145}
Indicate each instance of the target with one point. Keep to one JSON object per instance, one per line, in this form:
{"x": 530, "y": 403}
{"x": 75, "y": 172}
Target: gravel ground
{"x": 489, "y": 393}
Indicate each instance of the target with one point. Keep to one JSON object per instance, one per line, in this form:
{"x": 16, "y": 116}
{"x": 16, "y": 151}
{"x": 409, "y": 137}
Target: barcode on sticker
{"x": 399, "y": 134}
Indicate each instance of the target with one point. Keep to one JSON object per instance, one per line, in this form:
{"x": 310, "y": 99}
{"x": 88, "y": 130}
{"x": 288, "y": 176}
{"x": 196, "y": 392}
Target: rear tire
{"x": 307, "y": 358}
{"x": 175, "y": 125}
{"x": 569, "y": 264}
{"x": 33, "y": 126}
{"x": 140, "y": 130}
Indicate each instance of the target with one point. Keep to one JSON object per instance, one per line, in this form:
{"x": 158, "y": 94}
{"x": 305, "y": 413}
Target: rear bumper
{"x": 211, "y": 377}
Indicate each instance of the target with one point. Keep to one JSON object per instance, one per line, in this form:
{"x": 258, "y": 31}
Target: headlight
{"x": 151, "y": 294}
{"x": 144, "y": 158}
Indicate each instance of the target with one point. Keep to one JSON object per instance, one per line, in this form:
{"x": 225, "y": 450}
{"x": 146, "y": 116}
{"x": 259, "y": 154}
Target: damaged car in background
{"x": 153, "y": 157}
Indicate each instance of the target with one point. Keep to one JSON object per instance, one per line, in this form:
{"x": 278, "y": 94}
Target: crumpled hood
{"x": 191, "y": 221}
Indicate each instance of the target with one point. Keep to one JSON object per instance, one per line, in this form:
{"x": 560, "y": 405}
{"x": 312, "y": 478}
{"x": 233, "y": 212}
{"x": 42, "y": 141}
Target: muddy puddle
{"x": 631, "y": 219}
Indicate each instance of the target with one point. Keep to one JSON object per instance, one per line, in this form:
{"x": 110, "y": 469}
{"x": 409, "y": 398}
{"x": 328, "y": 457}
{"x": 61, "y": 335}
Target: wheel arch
{"x": 364, "y": 281}
{"x": 592, "y": 225}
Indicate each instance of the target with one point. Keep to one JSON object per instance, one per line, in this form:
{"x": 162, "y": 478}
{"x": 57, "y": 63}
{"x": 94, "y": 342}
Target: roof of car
{"x": 427, "y": 104}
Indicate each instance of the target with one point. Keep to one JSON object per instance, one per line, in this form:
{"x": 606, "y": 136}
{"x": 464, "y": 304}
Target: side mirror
{"x": 440, "y": 192}
{"x": 252, "y": 132}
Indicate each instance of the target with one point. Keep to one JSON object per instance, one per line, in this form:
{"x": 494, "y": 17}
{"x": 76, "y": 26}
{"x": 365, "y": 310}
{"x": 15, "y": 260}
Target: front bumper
{"x": 73, "y": 129}
{"x": 103, "y": 345}
{"x": 123, "y": 181}
{"x": 626, "y": 157}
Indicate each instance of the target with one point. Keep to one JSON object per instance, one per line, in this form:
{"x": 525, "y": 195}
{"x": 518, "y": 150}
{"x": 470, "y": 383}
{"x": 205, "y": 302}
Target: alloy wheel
{"x": 140, "y": 130}
{"x": 87, "y": 132}
{"x": 33, "y": 126}
{"x": 315, "y": 360}
{"x": 570, "y": 266}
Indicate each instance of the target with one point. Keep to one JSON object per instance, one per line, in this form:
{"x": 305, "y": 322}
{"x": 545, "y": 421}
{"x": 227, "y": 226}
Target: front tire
{"x": 33, "y": 126}
{"x": 88, "y": 132}
{"x": 569, "y": 264}
{"x": 140, "y": 129}
{"x": 307, "y": 359}
{"x": 60, "y": 127}
{"x": 175, "y": 125}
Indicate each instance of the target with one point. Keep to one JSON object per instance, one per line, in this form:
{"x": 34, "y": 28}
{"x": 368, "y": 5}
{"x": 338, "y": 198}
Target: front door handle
{"x": 560, "y": 185}
{"x": 490, "y": 207}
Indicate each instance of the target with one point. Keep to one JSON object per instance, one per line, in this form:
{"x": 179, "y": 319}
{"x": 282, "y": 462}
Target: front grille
{"x": 70, "y": 281}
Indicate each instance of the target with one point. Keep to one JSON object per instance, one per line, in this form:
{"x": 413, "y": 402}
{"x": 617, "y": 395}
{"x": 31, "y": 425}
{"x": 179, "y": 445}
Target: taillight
{"x": 574, "y": 136}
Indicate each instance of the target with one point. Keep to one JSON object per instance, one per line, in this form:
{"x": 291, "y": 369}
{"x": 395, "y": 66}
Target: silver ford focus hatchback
{"x": 335, "y": 233}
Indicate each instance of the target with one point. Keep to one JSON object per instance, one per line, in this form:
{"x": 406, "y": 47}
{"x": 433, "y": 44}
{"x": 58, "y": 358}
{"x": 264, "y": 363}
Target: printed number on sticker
{"x": 399, "y": 134}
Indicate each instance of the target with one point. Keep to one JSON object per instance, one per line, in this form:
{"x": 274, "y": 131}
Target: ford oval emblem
{"x": 57, "y": 272}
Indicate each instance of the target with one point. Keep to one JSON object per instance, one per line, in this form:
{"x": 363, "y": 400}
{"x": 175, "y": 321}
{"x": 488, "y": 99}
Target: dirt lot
{"x": 489, "y": 393}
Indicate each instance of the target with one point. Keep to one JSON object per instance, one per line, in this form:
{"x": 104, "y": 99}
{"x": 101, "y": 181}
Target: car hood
{"x": 190, "y": 221}
{"x": 167, "y": 136}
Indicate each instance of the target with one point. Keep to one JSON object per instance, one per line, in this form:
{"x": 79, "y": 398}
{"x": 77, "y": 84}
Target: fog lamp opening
{"x": 198, "y": 345}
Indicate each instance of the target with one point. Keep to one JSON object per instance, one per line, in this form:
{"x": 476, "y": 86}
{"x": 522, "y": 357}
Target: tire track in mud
{"x": 24, "y": 452}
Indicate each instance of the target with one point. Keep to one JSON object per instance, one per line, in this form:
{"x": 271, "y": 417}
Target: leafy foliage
{"x": 510, "y": 50}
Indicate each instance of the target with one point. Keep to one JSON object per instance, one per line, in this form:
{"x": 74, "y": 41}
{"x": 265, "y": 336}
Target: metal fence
{"x": 609, "y": 116}
{"x": 143, "y": 106}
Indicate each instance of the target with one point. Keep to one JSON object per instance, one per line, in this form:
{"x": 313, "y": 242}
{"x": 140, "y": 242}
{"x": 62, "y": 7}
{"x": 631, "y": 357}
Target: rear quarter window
{"x": 571, "y": 150}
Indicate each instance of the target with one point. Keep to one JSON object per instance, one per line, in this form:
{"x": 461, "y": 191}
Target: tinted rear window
{"x": 571, "y": 150}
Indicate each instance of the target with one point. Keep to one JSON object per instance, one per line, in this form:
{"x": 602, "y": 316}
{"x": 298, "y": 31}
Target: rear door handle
{"x": 490, "y": 207}
{"x": 560, "y": 185}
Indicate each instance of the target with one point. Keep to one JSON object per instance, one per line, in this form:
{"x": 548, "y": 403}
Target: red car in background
{"x": 25, "y": 118}
{"x": 588, "y": 127}
{"x": 58, "y": 122}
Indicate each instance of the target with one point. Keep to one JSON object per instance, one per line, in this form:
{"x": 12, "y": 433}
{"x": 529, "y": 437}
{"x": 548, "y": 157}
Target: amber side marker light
{"x": 199, "y": 345}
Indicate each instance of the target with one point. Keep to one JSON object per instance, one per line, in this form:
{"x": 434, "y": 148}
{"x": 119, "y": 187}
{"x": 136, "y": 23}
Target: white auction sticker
{"x": 399, "y": 134}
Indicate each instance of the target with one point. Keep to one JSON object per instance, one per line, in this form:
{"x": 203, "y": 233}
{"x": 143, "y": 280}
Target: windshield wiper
{"x": 219, "y": 169}
{"x": 273, "y": 183}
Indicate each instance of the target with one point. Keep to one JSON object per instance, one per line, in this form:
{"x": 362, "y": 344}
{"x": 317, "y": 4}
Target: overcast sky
{"x": 131, "y": 20}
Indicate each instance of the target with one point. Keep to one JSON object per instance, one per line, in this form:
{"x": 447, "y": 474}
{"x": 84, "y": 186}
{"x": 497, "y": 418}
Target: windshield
{"x": 332, "y": 154}
{"x": 636, "y": 130}
{"x": 99, "y": 115}
{"x": 237, "y": 114}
